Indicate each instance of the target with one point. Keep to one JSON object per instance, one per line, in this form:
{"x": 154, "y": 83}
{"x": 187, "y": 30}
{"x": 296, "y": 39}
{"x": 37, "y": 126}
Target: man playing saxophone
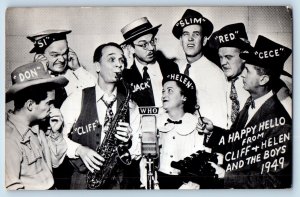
{"x": 89, "y": 114}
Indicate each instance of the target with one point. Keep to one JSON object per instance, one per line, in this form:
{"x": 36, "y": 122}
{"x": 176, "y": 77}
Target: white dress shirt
{"x": 78, "y": 80}
{"x": 156, "y": 79}
{"x": 71, "y": 109}
{"x": 258, "y": 103}
{"x": 177, "y": 141}
{"x": 211, "y": 89}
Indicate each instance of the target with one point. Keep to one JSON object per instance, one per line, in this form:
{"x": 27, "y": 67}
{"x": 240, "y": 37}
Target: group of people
{"x": 62, "y": 112}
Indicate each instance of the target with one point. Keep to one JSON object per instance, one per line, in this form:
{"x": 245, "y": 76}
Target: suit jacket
{"x": 268, "y": 144}
{"x": 133, "y": 77}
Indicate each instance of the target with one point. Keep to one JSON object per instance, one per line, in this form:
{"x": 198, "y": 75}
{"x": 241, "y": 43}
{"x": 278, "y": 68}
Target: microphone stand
{"x": 152, "y": 182}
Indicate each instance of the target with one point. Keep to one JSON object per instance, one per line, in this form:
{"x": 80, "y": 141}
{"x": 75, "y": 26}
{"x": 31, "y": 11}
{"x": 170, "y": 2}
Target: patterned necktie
{"x": 109, "y": 113}
{"x": 146, "y": 79}
{"x": 235, "y": 106}
{"x": 243, "y": 115}
{"x": 186, "y": 71}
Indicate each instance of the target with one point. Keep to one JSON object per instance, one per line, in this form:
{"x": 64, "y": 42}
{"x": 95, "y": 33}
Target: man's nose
{"x": 190, "y": 38}
{"x": 223, "y": 61}
{"x": 150, "y": 47}
{"x": 120, "y": 65}
{"x": 60, "y": 58}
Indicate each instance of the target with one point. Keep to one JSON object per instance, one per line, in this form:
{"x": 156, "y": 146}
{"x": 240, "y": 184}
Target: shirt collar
{"x": 150, "y": 67}
{"x": 20, "y": 126}
{"x": 187, "y": 126}
{"x": 261, "y": 100}
{"x": 100, "y": 93}
{"x": 202, "y": 61}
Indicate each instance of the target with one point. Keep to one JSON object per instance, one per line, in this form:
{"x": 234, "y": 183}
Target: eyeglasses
{"x": 145, "y": 45}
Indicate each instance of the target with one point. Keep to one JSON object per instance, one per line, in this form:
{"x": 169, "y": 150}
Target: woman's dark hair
{"x": 36, "y": 93}
{"x": 191, "y": 97}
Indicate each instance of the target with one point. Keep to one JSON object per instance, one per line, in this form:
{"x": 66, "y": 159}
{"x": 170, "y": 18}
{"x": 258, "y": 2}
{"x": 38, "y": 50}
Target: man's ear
{"x": 97, "y": 66}
{"x": 29, "y": 104}
{"x": 264, "y": 79}
{"x": 205, "y": 39}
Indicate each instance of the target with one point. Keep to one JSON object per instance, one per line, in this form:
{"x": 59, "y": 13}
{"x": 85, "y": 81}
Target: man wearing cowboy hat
{"x": 149, "y": 66}
{"x": 193, "y": 31}
{"x": 228, "y": 42}
{"x": 259, "y": 130}
{"x": 31, "y": 152}
{"x": 51, "y": 48}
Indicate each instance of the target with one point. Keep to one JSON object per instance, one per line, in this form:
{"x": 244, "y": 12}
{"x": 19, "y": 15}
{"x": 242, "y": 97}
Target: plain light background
{"x": 274, "y": 193}
{"x": 92, "y": 26}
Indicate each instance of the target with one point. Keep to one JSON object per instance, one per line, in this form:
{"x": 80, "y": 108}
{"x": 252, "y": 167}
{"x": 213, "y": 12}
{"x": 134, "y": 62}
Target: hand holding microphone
{"x": 204, "y": 125}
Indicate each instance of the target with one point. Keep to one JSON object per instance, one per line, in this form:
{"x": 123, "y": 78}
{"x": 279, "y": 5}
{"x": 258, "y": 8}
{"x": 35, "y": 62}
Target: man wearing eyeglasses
{"x": 149, "y": 66}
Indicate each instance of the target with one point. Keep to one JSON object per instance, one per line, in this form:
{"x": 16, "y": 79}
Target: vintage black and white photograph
{"x": 148, "y": 98}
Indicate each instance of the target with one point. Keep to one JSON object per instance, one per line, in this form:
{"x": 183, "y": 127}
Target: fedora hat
{"x": 137, "y": 28}
{"x": 43, "y": 39}
{"x": 29, "y": 75}
{"x": 267, "y": 53}
{"x": 233, "y": 35}
{"x": 191, "y": 17}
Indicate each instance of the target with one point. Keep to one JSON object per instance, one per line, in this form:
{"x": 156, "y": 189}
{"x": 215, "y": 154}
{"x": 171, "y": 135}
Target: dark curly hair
{"x": 191, "y": 97}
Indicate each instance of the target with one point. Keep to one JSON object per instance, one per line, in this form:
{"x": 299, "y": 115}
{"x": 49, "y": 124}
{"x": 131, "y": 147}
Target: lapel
{"x": 264, "y": 111}
{"x": 135, "y": 74}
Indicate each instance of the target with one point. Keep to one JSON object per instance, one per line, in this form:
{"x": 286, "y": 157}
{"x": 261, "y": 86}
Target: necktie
{"x": 186, "y": 71}
{"x": 109, "y": 113}
{"x": 243, "y": 115}
{"x": 235, "y": 106}
{"x": 146, "y": 79}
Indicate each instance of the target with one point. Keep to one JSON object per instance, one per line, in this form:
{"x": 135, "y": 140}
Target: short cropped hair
{"x": 37, "y": 93}
{"x": 98, "y": 51}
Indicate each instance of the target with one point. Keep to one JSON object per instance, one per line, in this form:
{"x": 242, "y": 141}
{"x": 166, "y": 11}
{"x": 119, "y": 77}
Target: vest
{"x": 87, "y": 129}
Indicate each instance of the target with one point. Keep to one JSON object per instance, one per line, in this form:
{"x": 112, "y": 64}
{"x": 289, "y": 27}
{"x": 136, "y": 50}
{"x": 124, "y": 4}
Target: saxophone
{"x": 110, "y": 149}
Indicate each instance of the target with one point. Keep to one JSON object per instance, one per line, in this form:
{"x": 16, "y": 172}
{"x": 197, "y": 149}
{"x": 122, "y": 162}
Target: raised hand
{"x": 73, "y": 62}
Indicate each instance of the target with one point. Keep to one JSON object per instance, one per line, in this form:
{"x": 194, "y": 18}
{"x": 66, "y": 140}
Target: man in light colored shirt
{"x": 228, "y": 42}
{"x": 193, "y": 31}
{"x": 88, "y": 116}
{"x": 149, "y": 66}
{"x": 30, "y": 152}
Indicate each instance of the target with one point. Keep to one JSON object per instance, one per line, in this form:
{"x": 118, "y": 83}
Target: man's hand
{"x": 219, "y": 170}
{"x": 41, "y": 58}
{"x": 56, "y": 120}
{"x": 73, "y": 62}
{"x": 90, "y": 158}
{"x": 123, "y": 132}
{"x": 204, "y": 126}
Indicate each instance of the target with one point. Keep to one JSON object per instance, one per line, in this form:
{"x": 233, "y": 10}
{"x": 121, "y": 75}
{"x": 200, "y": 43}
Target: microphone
{"x": 150, "y": 147}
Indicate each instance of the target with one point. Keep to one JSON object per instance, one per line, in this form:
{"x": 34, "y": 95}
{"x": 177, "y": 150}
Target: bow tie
{"x": 174, "y": 122}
